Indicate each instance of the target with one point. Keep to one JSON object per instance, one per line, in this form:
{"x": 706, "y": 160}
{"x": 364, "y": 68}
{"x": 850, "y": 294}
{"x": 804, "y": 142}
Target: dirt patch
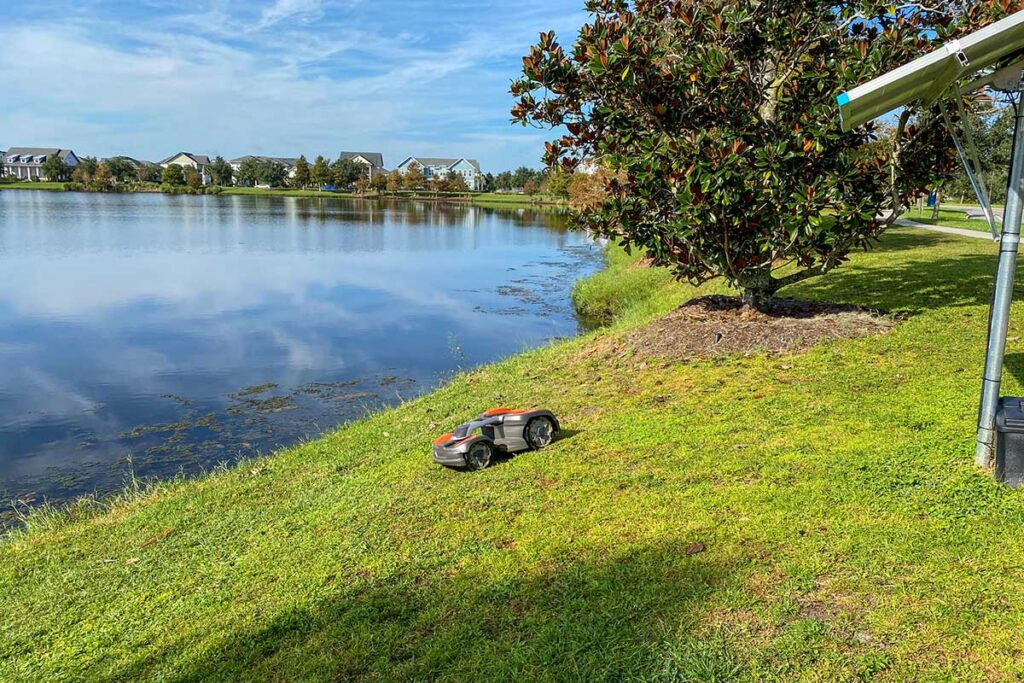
{"x": 716, "y": 326}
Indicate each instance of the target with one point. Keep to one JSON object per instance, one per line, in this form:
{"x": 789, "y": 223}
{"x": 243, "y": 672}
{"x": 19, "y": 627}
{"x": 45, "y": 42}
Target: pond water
{"x": 185, "y": 332}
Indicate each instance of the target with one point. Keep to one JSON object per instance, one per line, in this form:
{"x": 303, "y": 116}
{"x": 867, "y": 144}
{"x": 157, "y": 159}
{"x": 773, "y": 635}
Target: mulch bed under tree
{"x": 715, "y": 326}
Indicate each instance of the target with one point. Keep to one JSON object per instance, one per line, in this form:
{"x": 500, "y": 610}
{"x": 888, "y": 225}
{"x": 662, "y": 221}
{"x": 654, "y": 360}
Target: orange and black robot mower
{"x": 473, "y": 445}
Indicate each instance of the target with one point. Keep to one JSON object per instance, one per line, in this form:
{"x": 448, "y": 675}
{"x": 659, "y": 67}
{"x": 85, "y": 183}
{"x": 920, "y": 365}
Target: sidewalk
{"x": 962, "y": 232}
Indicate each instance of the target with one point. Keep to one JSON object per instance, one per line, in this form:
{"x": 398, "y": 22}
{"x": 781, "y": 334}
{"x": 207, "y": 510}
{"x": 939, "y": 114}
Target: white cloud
{"x": 282, "y": 10}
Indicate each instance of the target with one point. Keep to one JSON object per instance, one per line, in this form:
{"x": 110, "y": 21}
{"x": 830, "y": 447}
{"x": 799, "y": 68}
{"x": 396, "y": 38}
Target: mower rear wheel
{"x": 540, "y": 432}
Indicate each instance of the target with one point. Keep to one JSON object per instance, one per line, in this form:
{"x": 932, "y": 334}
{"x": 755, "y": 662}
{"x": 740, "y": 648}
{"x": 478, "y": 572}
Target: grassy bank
{"x": 481, "y": 199}
{"x": 805, "y": 517}
{"x": 52, "y": 187}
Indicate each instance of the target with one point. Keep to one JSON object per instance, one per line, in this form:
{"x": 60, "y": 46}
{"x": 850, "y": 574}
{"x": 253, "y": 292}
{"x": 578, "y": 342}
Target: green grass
{"x": 947, "y": 218}
{"x": 518, "y": 199}
{"x": 53, "y": 187}
{"x": 811, "y": 517}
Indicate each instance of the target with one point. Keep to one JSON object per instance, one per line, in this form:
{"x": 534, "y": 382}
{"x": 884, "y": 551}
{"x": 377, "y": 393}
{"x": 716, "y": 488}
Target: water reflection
{"x": 193, "y": 330}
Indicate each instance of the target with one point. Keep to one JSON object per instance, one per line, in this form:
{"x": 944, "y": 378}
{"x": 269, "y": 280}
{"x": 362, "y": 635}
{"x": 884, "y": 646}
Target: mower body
{"x": 502, "y": 429}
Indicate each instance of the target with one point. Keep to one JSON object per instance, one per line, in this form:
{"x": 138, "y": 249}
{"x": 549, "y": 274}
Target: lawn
{"x": 32, "y": 186}
{"x": 948, "y": 218}
{"x": 812, "y": 516}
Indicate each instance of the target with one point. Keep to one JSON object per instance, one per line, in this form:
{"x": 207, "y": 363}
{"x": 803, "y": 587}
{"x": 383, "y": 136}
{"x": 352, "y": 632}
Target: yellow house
{"x": 198, "y": 162}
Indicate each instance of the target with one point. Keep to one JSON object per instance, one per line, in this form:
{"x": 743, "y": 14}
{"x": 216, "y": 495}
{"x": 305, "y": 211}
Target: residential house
{"x": 26, "y": 163}
{"x": 199, "y": 162}
{"x": 374, "y": 161}
{"x": 435, "y": 168}
{"x": 287, "y": 163}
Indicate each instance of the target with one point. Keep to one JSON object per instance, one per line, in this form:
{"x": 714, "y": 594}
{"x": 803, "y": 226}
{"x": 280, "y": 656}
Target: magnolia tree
{"x": 717, "y": 125}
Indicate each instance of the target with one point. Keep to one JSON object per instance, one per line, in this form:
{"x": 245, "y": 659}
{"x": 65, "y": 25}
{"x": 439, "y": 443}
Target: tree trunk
{"x": 759, "y": 288}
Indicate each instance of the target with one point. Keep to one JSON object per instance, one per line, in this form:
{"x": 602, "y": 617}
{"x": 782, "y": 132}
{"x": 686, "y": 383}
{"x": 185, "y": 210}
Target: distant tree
{"x": 248, "y": 173}
{"x": 588, "y": 191}
{"x": 81, "y": 175}
{"x": 362, "y": 184}
{"x": 394, "y": 183}
{"x": 173, "y": 176}
{"x": 193, "y": 178}
{"x": 270, "y": 173}
{"x": 457, "y": 183}
{"x": 321, "y": 173}
{"x": 220, "y": 172}
{"x": 151, "y": 173}
{"x": 489, "y": 183}
{"x": 530, "y": 187}
{"x": 301, "y": 178}
{"x": 122, "y": 170}
{"x": 346, "y": 172}
{"x": 89, "y": 165}
{"x": 414, "y": 178}
{"x": 56, "y": 169}
{"x": 103, "y": 179}
{"x": 558, "y": 183}
{"x": 503, "y": 181}
{"x": 379, "y": 183}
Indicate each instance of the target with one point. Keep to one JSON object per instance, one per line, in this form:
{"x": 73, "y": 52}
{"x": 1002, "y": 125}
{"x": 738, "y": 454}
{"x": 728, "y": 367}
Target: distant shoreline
{"x": 482, "y": 199}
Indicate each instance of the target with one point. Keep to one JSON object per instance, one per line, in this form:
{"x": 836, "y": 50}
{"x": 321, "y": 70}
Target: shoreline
{"x": 484, "y": 199}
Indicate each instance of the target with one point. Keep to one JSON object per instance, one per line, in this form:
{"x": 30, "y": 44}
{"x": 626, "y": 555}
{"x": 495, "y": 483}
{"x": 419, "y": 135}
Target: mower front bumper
{"x": 451, "y": 456}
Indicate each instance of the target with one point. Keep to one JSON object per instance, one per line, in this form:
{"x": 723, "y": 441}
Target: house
{"x": 199, "y": 162}
{"x": 287, "y": 163}
{"x": 26, "y": 163}
{"x": 435, "y": 168}
{"x": 373, "y": 160}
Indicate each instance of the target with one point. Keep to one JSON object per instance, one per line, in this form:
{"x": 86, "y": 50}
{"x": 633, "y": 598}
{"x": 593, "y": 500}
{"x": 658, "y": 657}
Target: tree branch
{"x": 782, "y": 282}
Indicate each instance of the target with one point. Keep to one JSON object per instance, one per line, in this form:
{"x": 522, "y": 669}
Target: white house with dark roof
{"x": 198, "y": 162}
{"x": 26, "y": 163}
{"x": 437, "y": 168}
{"x": 373, "y": 160}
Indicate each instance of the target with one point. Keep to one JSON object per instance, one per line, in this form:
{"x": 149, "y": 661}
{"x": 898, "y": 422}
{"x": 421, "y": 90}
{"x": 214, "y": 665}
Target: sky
{"x": 149, "y": 78}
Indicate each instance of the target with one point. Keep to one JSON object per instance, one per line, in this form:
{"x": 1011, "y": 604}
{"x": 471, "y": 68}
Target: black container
{"x": 1010, "y": 442}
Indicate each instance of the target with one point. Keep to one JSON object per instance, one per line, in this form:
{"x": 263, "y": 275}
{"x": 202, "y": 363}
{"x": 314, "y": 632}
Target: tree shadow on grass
{"x": 955, "y": 277}
{"x": 609, "y": 619}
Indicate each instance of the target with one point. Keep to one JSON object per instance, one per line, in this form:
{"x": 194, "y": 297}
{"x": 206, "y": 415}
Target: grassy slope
{"x": 948, "y": 218}
{"x": 847, "y": 533}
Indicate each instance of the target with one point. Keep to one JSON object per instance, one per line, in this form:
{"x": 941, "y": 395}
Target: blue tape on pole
{"x": 844, "y": 99}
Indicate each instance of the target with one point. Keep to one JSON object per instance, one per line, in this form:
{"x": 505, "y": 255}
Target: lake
{"x": 178, "y": 333}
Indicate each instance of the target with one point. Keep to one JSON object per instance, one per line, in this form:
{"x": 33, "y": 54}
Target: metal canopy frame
{"x": 991, "y": 58}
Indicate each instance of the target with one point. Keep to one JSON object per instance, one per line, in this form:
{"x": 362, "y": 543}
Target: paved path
{"x": 962, "y": 232}
{"x": 974, "y": 212}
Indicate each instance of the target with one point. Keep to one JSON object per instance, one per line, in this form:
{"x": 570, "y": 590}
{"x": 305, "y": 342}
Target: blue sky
{"x": 148, "y": 78}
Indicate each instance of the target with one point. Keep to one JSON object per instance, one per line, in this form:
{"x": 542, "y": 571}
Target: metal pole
{"x": 1000, "y": 318}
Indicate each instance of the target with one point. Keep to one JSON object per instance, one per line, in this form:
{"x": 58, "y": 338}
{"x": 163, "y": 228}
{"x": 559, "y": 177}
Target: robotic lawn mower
{"x": 473, "y": 445}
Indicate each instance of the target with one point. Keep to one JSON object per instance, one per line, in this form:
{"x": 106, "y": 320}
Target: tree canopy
{"x": 414, "y": 179}
{"x": 718, "y": 124}
{"x": 302, "y": 177}
{"x": 173, "y": 176}
{"x": 321, "y": 172}
{"x": 221, "y": 172}
{"x": 56, "y": 169}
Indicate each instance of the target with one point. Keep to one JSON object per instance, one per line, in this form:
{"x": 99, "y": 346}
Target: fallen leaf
{"x": 132, "y": 560}
{"x": 695, "y": 549}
